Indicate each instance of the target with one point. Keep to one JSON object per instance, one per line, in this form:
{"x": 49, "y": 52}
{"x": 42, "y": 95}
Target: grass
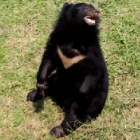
{"x": 24, "y": 29}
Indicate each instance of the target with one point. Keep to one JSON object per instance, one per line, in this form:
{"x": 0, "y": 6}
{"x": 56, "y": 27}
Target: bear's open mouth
{"x": 90, "y": 20}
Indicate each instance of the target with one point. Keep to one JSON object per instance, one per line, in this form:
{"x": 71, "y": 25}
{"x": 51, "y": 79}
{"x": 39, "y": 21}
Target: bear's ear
{"x": 66, "y": 6}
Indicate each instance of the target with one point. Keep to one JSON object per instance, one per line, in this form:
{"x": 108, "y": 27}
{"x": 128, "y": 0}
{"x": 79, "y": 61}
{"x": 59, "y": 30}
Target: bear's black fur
{"x": 80, "y": 83}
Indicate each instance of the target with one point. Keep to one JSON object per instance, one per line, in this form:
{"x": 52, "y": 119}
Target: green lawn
{"x": 24, "y": 29}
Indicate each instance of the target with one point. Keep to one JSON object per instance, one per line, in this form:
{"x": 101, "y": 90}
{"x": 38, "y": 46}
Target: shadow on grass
{"x": 38, "y": 106}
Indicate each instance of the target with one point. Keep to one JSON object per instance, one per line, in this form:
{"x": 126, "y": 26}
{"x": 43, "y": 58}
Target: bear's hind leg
{"x": 96, "y": 105}
{"x": 70, "y": 122}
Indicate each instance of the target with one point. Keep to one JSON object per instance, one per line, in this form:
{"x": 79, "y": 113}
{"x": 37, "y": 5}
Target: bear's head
{"x": 80, "y": 14}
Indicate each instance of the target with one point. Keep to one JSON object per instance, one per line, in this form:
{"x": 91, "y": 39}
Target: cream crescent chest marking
{"x": 68, "y": 62}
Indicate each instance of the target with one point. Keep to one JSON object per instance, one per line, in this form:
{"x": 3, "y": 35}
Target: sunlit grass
{"x": 24, "y": 29}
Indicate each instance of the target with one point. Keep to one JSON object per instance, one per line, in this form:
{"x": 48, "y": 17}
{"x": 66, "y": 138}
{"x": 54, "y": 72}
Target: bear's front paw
{"x": 58, "y": 131}
{"x": 34, "y": 96}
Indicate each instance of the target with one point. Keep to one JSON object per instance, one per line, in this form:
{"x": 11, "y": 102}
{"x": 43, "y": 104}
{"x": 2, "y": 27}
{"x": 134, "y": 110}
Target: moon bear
{"x": 73, "y": 71}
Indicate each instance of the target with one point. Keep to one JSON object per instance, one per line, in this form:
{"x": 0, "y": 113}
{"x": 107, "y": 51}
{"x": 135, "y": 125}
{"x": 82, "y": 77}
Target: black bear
{"x": 73, "y": 71}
